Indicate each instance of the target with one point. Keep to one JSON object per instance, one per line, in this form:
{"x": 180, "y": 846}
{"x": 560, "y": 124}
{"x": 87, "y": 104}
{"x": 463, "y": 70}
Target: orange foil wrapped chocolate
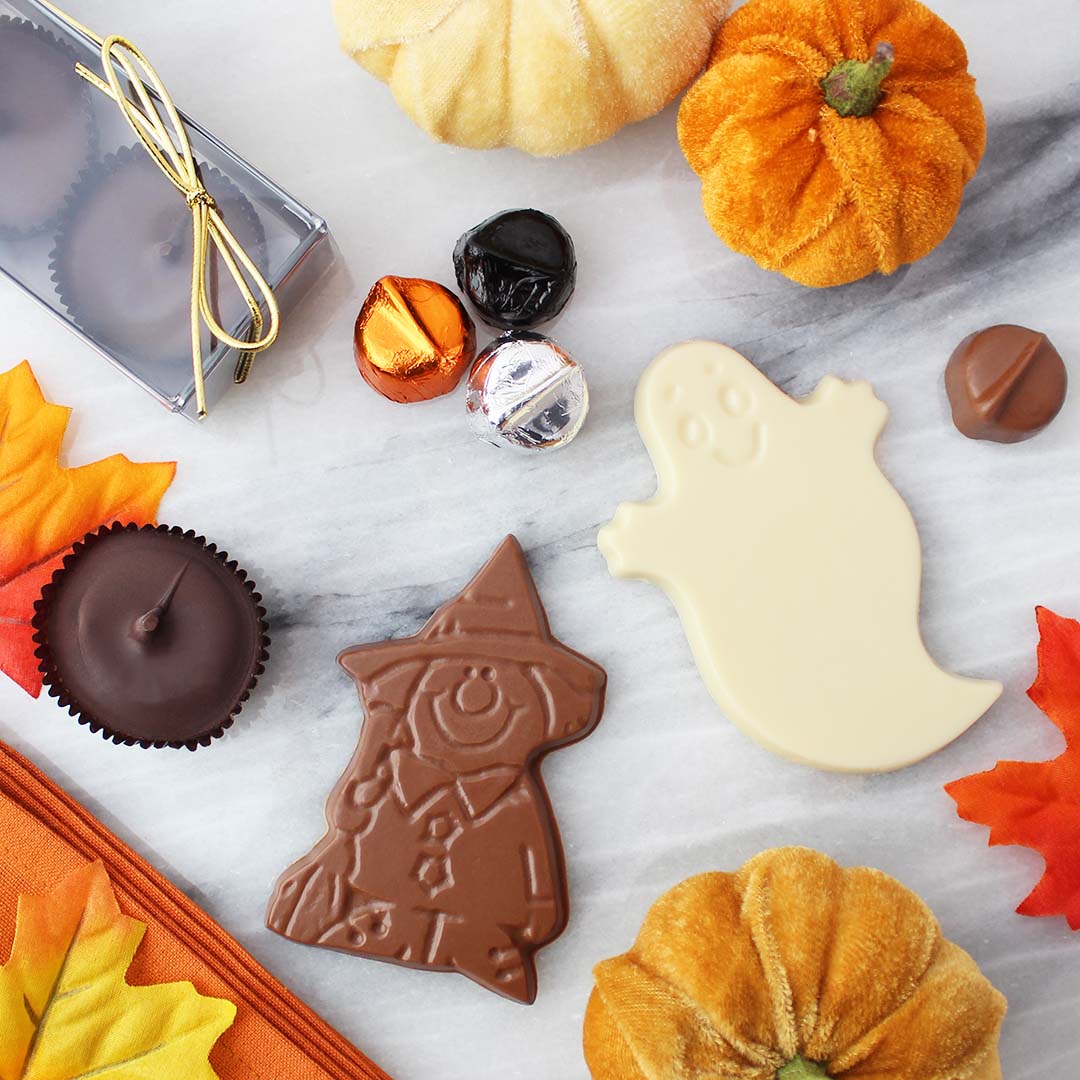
{"x": 413, "y": 339}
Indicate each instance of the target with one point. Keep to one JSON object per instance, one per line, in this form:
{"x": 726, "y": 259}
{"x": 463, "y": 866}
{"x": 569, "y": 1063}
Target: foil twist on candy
{"x": 525, "y": 392}
{"x": 413, "y": 339}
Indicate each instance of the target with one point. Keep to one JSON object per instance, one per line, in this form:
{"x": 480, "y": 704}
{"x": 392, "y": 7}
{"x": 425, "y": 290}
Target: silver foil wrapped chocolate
{"x": 526, "y": 392}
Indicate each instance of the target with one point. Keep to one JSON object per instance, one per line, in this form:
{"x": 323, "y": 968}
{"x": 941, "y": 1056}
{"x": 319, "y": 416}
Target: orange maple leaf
{"x": 45, "y": 508}
{"x": 1037, "y": 804}
{"x": 67, "y": 1010}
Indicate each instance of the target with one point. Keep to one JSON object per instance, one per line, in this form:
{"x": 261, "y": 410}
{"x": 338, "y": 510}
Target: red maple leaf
{"x": 1037, "y": 804}
{"x": 45, "y": 508}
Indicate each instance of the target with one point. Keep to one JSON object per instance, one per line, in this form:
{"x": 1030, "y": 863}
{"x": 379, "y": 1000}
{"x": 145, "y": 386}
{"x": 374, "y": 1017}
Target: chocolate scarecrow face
{"x": 443, "y": 851}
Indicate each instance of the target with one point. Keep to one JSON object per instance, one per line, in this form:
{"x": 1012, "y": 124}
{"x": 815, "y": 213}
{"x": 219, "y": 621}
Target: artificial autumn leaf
{"x": 1037, "y": 804}
{"x": 45, "y": 508}
{"x": 66, "y": 1012}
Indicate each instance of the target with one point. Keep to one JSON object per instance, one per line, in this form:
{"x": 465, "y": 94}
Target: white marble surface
{"x": 358, "y": 517}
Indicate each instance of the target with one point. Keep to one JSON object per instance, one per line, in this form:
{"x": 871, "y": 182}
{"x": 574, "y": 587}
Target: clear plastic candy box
{"x": 92, "y": 229}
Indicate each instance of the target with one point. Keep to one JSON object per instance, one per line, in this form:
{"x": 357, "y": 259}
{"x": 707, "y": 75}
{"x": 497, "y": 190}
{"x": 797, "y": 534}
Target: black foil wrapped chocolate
{"x": 47, "y": 129}
{"x": 518, "y": 268}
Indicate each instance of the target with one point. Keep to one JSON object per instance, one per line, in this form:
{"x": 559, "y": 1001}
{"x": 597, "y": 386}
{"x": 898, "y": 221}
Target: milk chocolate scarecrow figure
{"x": 442, "y": 850}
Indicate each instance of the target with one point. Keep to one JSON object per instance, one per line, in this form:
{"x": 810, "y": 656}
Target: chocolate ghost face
{"x": 715, "y": 413}
{"x": 443, "y": 851}
{"x": 793, "y": 563}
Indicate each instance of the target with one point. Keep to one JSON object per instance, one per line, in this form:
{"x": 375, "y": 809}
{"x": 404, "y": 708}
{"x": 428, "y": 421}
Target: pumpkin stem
{"x": 853, "y": 87}
{"x": 801, "y": 1069}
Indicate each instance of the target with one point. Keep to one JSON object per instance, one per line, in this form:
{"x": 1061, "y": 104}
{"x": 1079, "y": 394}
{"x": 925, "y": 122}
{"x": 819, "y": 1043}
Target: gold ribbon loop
{"x": 166, "y": 141}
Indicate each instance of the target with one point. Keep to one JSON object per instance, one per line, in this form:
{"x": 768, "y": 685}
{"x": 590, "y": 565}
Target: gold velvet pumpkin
{"x": 834, "y": 139}
{"x": 547, "y": 76}
{"x": 792, "y": 969}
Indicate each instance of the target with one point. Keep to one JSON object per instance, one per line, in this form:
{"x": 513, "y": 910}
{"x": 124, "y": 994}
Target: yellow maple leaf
{"x": 66, "y": 1011}
{"x": 45, "y": 508}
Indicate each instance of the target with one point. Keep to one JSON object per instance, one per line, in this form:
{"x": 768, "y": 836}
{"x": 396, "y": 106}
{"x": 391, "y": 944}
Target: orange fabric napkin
{"x": 45, "y": 835}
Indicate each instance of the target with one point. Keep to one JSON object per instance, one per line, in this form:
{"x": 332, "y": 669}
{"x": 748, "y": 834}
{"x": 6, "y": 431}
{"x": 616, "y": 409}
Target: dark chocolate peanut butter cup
{"x": 47, "y": 129}
{"x": 151, "y": 635}
{"x": 122, "y": 258}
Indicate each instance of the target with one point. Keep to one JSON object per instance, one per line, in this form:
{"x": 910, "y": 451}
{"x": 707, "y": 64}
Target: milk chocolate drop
{"x": 1005, "y": 383}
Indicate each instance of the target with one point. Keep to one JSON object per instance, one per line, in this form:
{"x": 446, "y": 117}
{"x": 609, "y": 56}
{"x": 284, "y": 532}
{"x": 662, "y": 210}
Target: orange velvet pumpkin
{"x": 834, "y": 138}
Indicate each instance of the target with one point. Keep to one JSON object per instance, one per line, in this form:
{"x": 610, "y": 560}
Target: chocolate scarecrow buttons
{"x": 793, "y": 563}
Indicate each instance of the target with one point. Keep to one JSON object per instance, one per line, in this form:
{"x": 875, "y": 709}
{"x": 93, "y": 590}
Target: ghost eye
{"x": 693, "y": 431}
{"x": 735, "y": 402}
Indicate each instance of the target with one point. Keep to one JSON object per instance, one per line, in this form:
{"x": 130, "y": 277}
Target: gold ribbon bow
{"x": 168, "y": 144}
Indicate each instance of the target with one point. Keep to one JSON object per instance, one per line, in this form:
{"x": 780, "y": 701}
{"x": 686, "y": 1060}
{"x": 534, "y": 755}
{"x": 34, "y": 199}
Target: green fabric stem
{"x": 853, "y": 87}
{"x": 801, "y": 1069}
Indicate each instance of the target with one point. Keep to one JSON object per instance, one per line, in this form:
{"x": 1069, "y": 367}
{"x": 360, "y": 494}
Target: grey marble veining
{"x": 358, "y": 517}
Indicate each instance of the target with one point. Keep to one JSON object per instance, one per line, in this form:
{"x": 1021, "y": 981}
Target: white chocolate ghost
{"x": 793, "y": 563}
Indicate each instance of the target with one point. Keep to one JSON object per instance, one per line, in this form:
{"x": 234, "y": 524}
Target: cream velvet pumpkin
{"x": 547, "y": 76}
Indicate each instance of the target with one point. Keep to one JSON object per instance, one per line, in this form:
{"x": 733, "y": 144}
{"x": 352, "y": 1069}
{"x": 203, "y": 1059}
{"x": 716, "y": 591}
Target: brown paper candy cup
{"x": 151, "y": 636}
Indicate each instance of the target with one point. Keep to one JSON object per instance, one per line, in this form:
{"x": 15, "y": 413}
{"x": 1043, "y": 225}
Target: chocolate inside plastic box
{"x": 92, "y": 230}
